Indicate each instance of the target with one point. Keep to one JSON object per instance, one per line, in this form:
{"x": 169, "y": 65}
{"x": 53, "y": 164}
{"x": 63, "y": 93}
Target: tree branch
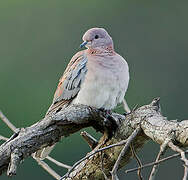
{"x": 92, "y": 142}
{"x": 50, "y": 130}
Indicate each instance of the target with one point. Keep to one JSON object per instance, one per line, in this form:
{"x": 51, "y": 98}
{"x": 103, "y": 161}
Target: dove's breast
{"x": 105, "y": 83}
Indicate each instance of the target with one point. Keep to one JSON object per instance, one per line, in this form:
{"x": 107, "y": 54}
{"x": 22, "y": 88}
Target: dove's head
{"x": 96, "y": 38}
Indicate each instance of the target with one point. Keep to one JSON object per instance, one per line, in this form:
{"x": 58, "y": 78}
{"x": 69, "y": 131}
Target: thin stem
{"x": 139, "y": 173}
{"x": 3, "y": 138}
{"x": 183, "y": 158}
{"x": 7, "y": 122}
{"x": 156, "y": 166}
{"x": 91, "y": 154}
{"x": 125, "y": 106}
{"x": 58, "y": 163}
{"x": 153, "y": 163}
{"x": 123, "y": 151}
{"x": 48, "y": 169}
{"x": 92, "y": 142}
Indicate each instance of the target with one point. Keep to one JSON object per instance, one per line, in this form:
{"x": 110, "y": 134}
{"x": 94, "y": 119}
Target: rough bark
{"x": 50, "y": 130}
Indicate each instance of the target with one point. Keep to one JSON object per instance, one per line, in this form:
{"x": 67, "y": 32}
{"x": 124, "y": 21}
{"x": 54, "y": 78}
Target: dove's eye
{"x": 96, "y": 36}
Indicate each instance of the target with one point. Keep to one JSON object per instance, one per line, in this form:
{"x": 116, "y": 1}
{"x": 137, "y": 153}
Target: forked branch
{"x": 50, "y": 130}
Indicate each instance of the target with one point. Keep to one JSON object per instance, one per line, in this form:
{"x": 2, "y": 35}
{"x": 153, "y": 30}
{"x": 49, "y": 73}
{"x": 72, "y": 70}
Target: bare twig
{"x": 183, "y": 158}
{"x": 138, "y": 162}
{"x": 92, "y": 142}
{"x": 155, "y": 167}
{"x": 91, "y": 154}
{"x": 126, "y": 107}
{"x": 58, "y": 163}
{"x": 123, "y": 151}
{"x": 8, "y": 123}
{"x": 134, "y": 108}
{"x": 153, "y": 163}
{"x": 48, "y": 169}
{"x": 3, "y": 138}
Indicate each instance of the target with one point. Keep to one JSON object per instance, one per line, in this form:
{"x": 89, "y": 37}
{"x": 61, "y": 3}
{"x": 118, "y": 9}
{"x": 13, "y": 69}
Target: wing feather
{"x": 70, "y": 83}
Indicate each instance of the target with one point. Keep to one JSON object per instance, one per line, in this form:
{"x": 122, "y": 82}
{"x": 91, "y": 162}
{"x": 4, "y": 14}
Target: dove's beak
{"x": 83, "y": 44}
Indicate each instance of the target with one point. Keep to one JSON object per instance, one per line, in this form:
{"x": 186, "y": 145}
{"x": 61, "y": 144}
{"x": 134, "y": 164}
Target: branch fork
{"x": 133, "y": 130}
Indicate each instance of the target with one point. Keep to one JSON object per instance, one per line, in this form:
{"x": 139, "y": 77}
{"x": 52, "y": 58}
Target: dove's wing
{"x": 70, "y": 83}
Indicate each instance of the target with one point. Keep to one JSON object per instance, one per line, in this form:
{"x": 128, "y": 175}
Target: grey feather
{"x": 72, "y": 84}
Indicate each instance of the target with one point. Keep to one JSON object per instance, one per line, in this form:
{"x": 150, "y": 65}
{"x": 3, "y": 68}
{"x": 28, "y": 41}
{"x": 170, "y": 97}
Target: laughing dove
{"x": 97, "y": 77}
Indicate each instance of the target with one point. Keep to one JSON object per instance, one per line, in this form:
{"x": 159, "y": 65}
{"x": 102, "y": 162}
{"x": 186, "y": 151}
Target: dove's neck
{"x": 102, "y": 50}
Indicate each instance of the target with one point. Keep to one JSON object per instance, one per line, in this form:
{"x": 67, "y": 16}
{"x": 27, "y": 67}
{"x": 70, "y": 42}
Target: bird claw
{"x": 107, "y": 111}
{"x": 109, "y": 123}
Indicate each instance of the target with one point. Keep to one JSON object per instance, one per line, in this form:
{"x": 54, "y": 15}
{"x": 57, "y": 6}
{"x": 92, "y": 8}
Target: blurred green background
{"x": 38, "y": 38}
